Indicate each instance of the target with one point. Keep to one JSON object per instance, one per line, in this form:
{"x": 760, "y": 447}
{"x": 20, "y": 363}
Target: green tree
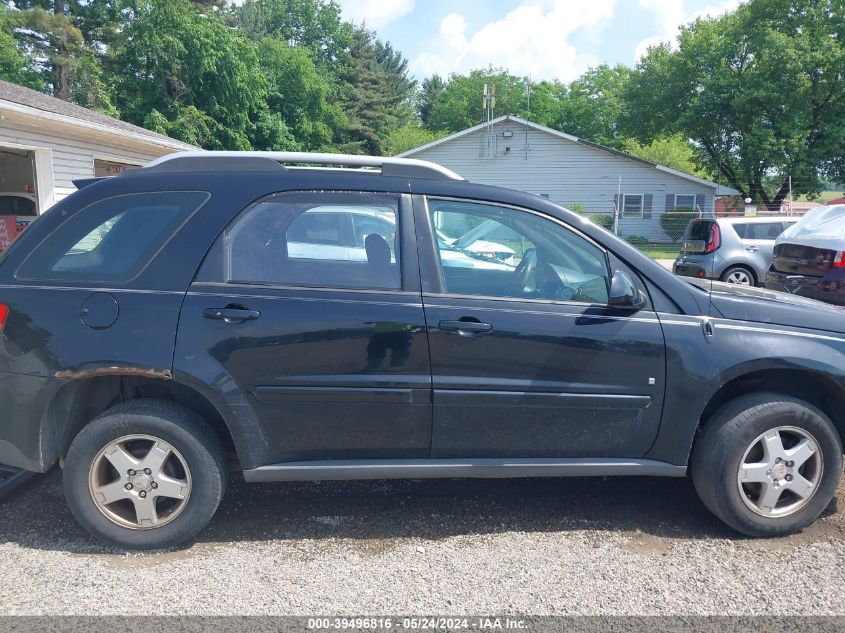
{"x": 314, "y": 24}
{"x": 299, "y": 93}
{"x": 408, "y": 137}
{"x": 460, "y": 104}
{"x": 429, "y": 94}
{"x": 16, "y": 65}
{"x": 672, "y": 151}
{"x": 188, "y": 75}
{"x": 593, "y": 105}
{"x": 760, "y": 91}
{"x": 378, "y": 93}
{"x": 48, "y": 32}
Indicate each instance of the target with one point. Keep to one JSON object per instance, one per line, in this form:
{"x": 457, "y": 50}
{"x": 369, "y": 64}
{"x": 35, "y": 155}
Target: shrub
{"x": 637, "y": 240}
{"x": 604, "y": 221}
{"x": 674, "y": 223}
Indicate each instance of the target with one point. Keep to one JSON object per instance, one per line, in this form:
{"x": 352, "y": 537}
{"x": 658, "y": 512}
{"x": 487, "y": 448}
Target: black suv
{"x": 306, "y": 317}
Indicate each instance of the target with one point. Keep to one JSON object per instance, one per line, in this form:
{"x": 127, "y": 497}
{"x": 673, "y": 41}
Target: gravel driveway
{"x": 571, "y": 546}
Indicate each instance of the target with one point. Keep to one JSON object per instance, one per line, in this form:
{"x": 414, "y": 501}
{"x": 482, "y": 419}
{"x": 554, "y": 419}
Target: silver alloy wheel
{"x": 780, "y": 471}
{"x": 140, "y": 482}
{"x": 740, "y": 277}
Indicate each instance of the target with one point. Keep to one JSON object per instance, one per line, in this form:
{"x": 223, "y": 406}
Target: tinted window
{"x": 329, "y": 240}
{"x": 759, "y": 230}
{"x": 495, "y": 251}
{"x": 113, "y": 239}
{"x": 699, "y": 230}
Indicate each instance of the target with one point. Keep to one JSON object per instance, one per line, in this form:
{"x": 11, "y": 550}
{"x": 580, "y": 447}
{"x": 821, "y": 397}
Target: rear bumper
{"x": 830, "y": 288}
{"x": 21, "y": 408}
{"x": 691, "y": 270}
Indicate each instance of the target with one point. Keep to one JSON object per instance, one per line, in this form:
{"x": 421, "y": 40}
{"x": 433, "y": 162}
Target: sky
{"x": 546, "y": 39}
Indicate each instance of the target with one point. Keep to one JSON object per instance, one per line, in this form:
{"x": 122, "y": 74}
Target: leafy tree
{"x": 314, "y": 24}
{"x": 299, "y": 93}
{"x": 408, "y": 137}
{"x": 672, "y": 151}
{"x": 760, "y": 91}
{"x": 48, "y": 31}
{"x": 460, "y": 104}
{"x": 593, "y": 105}
{"x": 15, "y": 65}
{"x": 546, "y": 103}
{"x": 188, "y": 75}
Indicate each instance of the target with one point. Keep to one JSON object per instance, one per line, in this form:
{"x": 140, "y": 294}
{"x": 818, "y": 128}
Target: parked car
{"x": 808, "y": 257}
{"x": 163, "y": 326}
{"x": 733, "y": 250}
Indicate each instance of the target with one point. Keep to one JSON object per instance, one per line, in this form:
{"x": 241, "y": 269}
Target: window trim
{"x": 150, "y": 259}
{"x": 402, "y": 217}
{"x": 439, "y": 267}
{"x": 687, "y": 195}
{"x": 625, "y": 196}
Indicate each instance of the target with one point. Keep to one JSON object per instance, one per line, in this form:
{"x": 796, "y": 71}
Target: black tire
{"x": 739, "y": 269}
{"x": 185, "y": 431}
{"x": 721, "y": 446}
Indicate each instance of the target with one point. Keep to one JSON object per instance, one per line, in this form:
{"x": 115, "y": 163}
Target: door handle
{"x": 231, "y": 315}
{"x": 753, "y": 249}
{"x": 465, "y": 328}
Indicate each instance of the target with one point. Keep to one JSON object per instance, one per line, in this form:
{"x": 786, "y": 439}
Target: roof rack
{"x": 261, "y": 161}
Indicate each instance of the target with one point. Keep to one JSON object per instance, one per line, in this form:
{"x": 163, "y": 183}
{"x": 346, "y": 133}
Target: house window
{"x": 685, "y": 202}
{"x": 632, "y": 205}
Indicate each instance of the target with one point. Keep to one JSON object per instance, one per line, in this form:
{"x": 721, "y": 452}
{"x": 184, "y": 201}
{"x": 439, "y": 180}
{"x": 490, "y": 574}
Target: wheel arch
{"x": 79, "y": 401}
{"x": 814, "y": 386}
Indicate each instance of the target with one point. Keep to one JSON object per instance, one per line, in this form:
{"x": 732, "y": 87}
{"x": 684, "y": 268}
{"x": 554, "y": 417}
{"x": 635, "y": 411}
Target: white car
{"x": 319, "y": 234}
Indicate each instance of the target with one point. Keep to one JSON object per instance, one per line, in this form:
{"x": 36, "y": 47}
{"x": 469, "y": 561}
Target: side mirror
{"x": 624, "y": 293}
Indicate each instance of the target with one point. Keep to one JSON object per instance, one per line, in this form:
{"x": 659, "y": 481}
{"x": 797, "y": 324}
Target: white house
{"x": 513, "y": 152}
{"x": 46, "y": 143}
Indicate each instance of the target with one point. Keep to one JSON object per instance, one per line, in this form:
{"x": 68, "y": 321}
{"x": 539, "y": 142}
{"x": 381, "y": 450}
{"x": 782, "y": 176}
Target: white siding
{"x": 73, "y": 156}
{"x": 566, "y": 171}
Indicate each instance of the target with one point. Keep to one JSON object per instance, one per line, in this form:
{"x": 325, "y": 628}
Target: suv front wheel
{"x": 146, "y": 474}
{"x": 767, "y": 464}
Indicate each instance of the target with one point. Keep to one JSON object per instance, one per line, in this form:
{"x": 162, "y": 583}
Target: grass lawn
{"x": 660, "y": 251}
{"x": 824, "y": 197}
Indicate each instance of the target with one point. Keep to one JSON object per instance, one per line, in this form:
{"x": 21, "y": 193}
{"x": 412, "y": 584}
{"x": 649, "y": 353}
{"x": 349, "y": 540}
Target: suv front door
{"x": 527, "y": 358}
{"x": 319, "y": 337}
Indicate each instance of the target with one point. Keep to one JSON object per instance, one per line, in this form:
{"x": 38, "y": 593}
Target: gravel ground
{"x": 572, "y": 546}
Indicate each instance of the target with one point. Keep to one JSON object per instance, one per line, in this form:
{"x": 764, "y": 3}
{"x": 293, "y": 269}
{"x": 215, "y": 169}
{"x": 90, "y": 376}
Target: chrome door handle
{"x": 465, "y": 328}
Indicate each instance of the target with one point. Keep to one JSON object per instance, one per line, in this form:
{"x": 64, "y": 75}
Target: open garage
{"x": 47, "y": 143}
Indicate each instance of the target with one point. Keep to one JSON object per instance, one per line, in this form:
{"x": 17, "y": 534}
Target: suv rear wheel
{"x": 740, "y": 276}
{"x": 767, "y": 464}
{"x": 146, "y": 474}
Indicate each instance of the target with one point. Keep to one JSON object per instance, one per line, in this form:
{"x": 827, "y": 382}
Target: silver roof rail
{"x": 249, "y": 161}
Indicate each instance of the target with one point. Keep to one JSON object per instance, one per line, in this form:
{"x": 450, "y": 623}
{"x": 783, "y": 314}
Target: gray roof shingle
{"x": 40, "y": 101}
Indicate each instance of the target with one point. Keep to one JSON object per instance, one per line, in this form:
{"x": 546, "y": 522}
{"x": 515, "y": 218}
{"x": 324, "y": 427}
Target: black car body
{"x": 172, "y": 284}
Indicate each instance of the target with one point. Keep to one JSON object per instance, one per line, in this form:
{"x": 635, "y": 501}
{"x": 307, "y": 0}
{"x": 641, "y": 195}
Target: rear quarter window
{"x": 112, "y": 239}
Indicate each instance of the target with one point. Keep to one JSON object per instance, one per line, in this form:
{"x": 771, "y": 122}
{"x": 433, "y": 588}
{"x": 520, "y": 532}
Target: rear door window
{"x": 319, "y": 239}
{"x": 113, "y": 239}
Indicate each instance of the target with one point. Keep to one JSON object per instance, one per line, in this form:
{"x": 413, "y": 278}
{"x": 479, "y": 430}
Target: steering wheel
{"x": 523, "y": 277}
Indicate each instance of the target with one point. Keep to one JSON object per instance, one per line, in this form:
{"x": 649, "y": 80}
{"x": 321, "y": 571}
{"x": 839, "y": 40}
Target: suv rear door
{"x": 320, "y": 338}
{"x": 527, "y": 359}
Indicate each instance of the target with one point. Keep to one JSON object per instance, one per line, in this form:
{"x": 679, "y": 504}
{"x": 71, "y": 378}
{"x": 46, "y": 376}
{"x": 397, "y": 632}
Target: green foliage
{"x": 604, "y": 221}
{"x": 674, "y": 223}
{"x": 199, "y": 76}
{"x": 577, "y": 207}
{"x": 670, "y": 151}
{"x": 760, "y": 91}
{"x": 593, "y": 105}
{"x": 378, "y": 93}
{"x": 15, "y": 65}
{"x": 408, "y": 137}
{"x": 637, "y": 240}
{"x": 459, "y": 105}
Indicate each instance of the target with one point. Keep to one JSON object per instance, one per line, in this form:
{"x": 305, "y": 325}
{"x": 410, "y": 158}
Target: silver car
{"x": 735, "y": 250}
